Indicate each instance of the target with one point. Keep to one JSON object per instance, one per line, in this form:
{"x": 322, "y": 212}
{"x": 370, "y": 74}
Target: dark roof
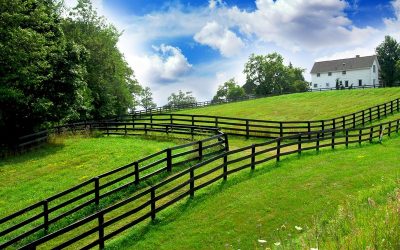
{"x": 343, "y": 64}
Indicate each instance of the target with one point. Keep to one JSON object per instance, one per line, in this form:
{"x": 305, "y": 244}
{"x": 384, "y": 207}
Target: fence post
{"x": 389, "y": 128}
{"x": 398, "y": 104}
{"x": 385, "y": 109}
{"x": 370, "y": 134}
{"x": 200, "y": 150}
{"x": 370, "y": 115}
{"x": 317, "y": 142}
{"x": 226, "y": 142}
{"x": 333, "y": 139}
{"x": 309, "y": 130}
{"x": 225, "y": 166}
{"x": 344, "y": 122}
{"x": 379, "y": 112}
{"x": 333, "y": 123}
{"x": 151, "y": 121}
{"x": 280, "y": 129}
{"x": 391, "y": 107}
{"x": 347, "y": 138}
{"x": 101, "y": 230}
{"x": 354, "y": 120}
{"x": 299, "y": 144}
{"x": 170, "y": 119}
{"x": 169, "y": 159}
{"x": 96, "y": 190}
{"x": 153, "y": 202}
{"x": 191, "y": 182}
{"x": 192, "y": 120}
{"x": 253, "y": 156}
{"x": 216, "y": 122}
{"x": 247, "y": 129}
{"x": 46, "y": 215}
{"x": 323, "y": 128}
{"x": 363, "y": 118}
{"x": 359, "y": 136}
{"x": 136, "y": 164}
{"x": 278, "y": 148}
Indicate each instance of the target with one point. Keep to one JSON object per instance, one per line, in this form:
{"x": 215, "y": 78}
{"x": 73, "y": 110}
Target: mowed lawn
{"x": 270, "y": 202}
{"x": 302, "y": 106}
{"x": 36, "y": 175}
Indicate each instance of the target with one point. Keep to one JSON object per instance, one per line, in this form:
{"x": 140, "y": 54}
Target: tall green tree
{"x": 111, "y": 81}
{"x": 181, "y": 98}
{"x": 41, "y": 77}
{"x": 230, "y": 90}
{"x": 266, "y": 74}
{"x": 388, "y": 53}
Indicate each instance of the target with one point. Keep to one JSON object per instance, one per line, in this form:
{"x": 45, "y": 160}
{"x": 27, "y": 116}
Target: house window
{"x": 318, "y": 74}
{"x": 315, "y": 85}
{"x": 360, "y": 82}
{"x": 344, "y": 72}
{"x": 329, "y": 73}
{"x": 373, "y": 68}
{"x": 327, "y": 84}
{"x": 346, "y": 83}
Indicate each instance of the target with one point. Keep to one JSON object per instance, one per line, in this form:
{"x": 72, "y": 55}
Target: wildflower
{"x": 298, "y": 228}
{"x": 262, "y": 241}
{"x": 277, "y": 243}
{"x": 283, "y": 227}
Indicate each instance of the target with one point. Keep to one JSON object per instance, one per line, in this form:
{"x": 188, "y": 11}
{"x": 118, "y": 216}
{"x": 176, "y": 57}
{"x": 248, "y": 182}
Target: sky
{"x": 198, "y": 45}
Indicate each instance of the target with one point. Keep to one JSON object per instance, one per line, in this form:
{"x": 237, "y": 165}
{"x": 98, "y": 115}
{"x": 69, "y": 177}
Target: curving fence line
{"x": 109, "y": 222}
{"x": 40, "y": 216}
{"x": 272, "y": 129}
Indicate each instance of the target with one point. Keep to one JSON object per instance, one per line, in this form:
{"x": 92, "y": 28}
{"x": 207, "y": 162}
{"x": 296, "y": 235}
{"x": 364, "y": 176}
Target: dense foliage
{"x": 56, "y": 69}
{"x": 229, "y": 91}
{"x": 266, "y": 74}
{"x": 388, "y": 53}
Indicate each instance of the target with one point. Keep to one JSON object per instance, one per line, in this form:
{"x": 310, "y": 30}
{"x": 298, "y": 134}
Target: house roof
{"x": 343, "y": 64}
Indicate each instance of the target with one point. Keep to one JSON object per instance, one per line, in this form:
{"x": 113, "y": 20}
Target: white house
{"x": 356, "y": 71}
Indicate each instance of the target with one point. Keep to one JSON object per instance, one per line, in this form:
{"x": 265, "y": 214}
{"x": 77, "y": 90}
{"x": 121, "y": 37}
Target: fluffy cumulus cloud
{"x": 220, "y": 38}
{"x": 167, "y": 65}
{"x": 301, "y": 24}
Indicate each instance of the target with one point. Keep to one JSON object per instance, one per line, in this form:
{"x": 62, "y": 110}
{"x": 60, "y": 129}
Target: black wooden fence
{"x": 273, "y": 129}
{"x": 40, "y": 216}
{"x": 166, "y": 108}
{"x": 109, "y": 222}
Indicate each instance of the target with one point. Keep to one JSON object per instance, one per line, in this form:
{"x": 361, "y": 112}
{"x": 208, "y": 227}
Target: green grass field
{"x": 247, "y": 207}
{"x": 68, "y": 161}
{"x": 268, "y": 203}
{"x": 302, "y": 106}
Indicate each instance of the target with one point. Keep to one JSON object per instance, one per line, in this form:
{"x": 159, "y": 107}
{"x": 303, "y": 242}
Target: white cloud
{"x": 165, "y": 66}
{"x": 218, "y": 37}
{"x": 301, "y": 24}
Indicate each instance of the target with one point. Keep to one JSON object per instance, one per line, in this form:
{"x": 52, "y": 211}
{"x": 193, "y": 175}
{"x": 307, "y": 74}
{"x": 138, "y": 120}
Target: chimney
{"x": 357, "y": 56}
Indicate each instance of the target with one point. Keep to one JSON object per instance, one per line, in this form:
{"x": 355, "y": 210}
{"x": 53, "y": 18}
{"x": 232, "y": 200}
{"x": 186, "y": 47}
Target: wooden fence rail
{"x": 93, "y": 191}
{"x": 149, "y": 202}
{"x": 273, "y": 129}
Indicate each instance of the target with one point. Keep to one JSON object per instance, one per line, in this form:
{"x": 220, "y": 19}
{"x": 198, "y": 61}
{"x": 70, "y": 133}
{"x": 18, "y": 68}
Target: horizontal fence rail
{"x": 273, "y": 129}
{"x": 110, "y": 221}
{"x": 38, "y": 217}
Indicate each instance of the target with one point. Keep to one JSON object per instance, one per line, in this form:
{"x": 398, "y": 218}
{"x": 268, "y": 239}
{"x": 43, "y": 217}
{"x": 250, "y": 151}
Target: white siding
{"x": 352, "y": 76}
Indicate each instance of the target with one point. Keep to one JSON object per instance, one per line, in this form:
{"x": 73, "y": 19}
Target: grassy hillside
{"x": 302, "y": 106}
{"x": 33, "y": 176}
{"x": 269, "y": 203}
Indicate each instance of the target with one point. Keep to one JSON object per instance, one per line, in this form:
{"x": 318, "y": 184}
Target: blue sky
{"x": 197, "y": 45}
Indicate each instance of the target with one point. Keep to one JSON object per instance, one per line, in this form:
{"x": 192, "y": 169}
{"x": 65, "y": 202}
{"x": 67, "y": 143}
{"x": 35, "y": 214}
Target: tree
{"x": 230, "y": 90}
{"x": 146, "y": 100}
{"x": 112, "y": 83}
{"x": 180, "y": 99}
{"x": 41, "y": 73}
{"x": 388, "y": 53}
{"x": 268, "y": 75}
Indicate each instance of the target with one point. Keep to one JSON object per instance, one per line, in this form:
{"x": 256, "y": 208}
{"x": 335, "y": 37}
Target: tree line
{"x": 59, "y": 65}
{"x": 388, "y": 53}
